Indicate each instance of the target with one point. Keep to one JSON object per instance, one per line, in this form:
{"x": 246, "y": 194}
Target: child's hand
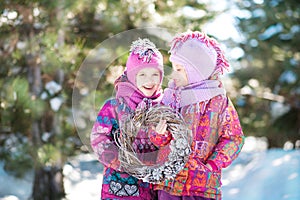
{"x": 159, "y": 135}
{"x": 161, "y": 127}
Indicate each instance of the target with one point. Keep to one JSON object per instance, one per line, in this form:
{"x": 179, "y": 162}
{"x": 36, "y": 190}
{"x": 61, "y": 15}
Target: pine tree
{"x": 270, "y": 69}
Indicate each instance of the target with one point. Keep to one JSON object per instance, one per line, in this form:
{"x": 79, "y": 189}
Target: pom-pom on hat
{"x": 143, "y": 53}
{"x": 200, "y": 55}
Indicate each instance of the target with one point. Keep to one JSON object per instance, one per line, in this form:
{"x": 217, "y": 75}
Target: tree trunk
{"x": 48, "y": 180}
{"x": 48, "y": 184}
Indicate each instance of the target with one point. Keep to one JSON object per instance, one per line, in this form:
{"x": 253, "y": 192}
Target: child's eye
{"x": 156, "y": 74}
{"x": 141, "y": 74}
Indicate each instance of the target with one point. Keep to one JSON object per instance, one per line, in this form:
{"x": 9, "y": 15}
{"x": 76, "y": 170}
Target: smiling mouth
{"x": 148, "y": 87}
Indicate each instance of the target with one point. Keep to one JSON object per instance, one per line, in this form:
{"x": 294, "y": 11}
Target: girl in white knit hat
{"x": 196, "y": 91}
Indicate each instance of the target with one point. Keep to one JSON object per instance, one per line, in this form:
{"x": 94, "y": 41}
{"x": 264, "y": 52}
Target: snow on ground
{"x": 12, "y": 188}
{"x": 83, "y": 178}
{"x": 268, "y": 175}
{"x": 257, "y": 174}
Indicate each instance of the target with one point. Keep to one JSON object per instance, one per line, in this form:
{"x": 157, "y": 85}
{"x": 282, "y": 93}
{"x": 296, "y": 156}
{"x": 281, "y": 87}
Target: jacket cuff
{"x": 213, "y": 165}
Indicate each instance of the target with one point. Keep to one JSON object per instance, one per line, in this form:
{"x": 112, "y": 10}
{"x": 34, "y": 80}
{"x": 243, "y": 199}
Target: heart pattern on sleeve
{"x": 123, "y": 189}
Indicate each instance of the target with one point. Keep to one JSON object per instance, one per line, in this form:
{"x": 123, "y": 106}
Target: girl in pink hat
{"x": 196, "y": 91}
{"x": 138, "y": 87}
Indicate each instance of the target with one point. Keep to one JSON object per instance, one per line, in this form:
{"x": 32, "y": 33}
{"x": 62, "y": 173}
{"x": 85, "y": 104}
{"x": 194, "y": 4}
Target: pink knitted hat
{"x": 143, "y": 53}
{"x": 200, "y": 55}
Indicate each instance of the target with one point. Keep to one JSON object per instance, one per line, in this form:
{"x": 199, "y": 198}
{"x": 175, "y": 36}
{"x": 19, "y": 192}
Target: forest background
{"x": 44, "y": 43}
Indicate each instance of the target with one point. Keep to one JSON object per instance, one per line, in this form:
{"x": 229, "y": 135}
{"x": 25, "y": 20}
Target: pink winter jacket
{"x": 117, "y": 184}
{"x": 217, "y": 140}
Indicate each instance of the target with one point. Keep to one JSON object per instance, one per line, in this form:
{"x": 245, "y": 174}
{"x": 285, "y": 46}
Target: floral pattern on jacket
{"x": 217, "y": 140}
{"x": 118, "y": 184}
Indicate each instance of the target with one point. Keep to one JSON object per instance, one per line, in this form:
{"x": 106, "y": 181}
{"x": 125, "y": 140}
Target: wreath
{"x": 179, "y": 146}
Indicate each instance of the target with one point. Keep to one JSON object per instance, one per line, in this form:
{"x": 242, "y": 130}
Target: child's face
{"x": 148, "y": 81}
{"x": 179, "y": 75}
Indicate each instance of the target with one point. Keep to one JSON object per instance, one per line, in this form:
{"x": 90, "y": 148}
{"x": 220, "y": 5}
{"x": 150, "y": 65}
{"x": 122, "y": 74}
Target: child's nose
{"x": 148, "y": 80}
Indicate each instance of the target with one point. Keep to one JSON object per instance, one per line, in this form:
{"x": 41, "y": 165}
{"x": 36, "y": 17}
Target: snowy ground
{"x": 257, "y": 174}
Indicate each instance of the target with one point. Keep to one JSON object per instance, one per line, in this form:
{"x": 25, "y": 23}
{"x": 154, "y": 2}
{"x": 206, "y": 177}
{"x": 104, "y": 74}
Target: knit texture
{"x": 192, "y": 47}
{"x": 143, "y": 54}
